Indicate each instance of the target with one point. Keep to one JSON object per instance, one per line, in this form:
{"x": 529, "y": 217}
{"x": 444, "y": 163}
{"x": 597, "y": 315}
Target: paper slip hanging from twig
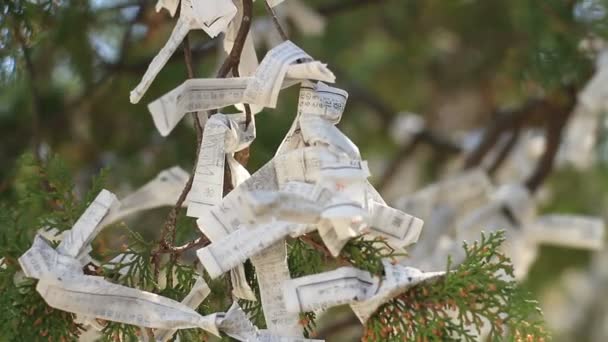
{"x": 514, "y": 210}
{"x": 568, "y": 230}
{"x": 199, "y": 291}
{"x": 272, "y": 272}
{"x": 95, "y": 297}
{"x": 223, "y": 136}
{"x": 261, "y": 89}
{"x": 349, "y": 285}
{"x": 212, "y": 16}
{"x": 397, "y": 279}
{"x": 163, "y": 190}
{"x": 169, "y": 5}
{"x": 88, "y": 225}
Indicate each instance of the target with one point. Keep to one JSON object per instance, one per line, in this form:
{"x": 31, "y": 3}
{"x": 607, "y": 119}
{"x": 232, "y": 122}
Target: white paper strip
{"x": 269, "y": 336}
{"x": 169, "y": 5}
{"x": 272, "y": 272}
{"x": 208, "y": 183}
{"x": 96, "y": 297}
{"x": 568, "y": 230}
{"x": 193, "y": 300}
{"x": 397, "y": 280}
{"x": 163, "y": 190}
{"x": 261, "y": 89}
{"x": 41, "y": 259}
{"x": 87, "y": 226}
{"x": 212, "y": 16}
{"x": 398, "y": 227}
{"x": 232, "y": 250}
{"x": 328, "y": 289}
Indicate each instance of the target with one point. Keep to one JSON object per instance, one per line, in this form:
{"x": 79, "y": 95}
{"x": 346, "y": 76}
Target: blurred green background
{"x": 66, "y": 69}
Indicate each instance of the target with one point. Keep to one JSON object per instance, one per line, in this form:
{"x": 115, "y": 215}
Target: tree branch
{"x": 556, "y": 121}
{"x": 234, "y": 57}
{"x": 503, "y": 121}
{"x": 505, "y": 151}
{"x": 36, "y": 101}
{"x": 275, "y": 21}
{"x": 393, "y": 167}
{"x": 199, "y": 242}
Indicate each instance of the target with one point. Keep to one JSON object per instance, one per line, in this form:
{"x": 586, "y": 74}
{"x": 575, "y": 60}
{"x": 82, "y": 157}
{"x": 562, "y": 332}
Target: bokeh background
{"x": 67, "y": 66}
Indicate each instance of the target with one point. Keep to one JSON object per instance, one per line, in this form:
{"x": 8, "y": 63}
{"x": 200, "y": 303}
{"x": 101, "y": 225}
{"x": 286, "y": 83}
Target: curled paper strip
{"x": 348, "y": 285}
{"x": 328, "y": 289}
{"x": 94, "y": 297}
{"x": 63, "y": 286}
{"x": 223, "y": 136}
{"x": 41, "y": 259}
{"x": 261, "y": 89}
{"x": 234, "y": 249}
{"x": 397, "y": 279}
{"x": 212, "y": 16}
{"x": 399, "y": 228}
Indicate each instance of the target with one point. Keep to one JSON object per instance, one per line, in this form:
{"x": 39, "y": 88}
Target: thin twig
{"x": 441, "y": 145}
{"x": 36, "y": 100}
{"x": 199, "y": 242}
{"x": 234, "y": 57}
{"x": 395, "y": 164}
{"x": 503, "y": 121}
{"x": 504, "y": 151}
{"x": 555, "y": 124}
{"x": 231, "y": 64}
{"x": 167, "y": 236}
{"x": 275, "y": 21}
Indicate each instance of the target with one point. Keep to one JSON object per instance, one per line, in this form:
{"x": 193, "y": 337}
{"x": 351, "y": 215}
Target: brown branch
{"x": 504, "y": 121}
{"x": 505, "y": 151}
{"x": 394, "y": 165}
{"x": 319, "y": 247}
{"x": 551, "y": 112}
{"x": 167, "y": 235}
{"x": 169, "y": 230}
{"x": 440, "y": 144}
{"x": 555, "y": 124}
{"x": 199, "y": 242}
{"x": 234, "y": 57}
{"x": 243, "y": 155}
{"x": 36, "y": 100}
{"x": 231, "y": 64}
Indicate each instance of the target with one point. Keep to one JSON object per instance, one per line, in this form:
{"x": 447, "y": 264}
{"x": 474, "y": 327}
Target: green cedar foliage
{"x": 475, "y": 294}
